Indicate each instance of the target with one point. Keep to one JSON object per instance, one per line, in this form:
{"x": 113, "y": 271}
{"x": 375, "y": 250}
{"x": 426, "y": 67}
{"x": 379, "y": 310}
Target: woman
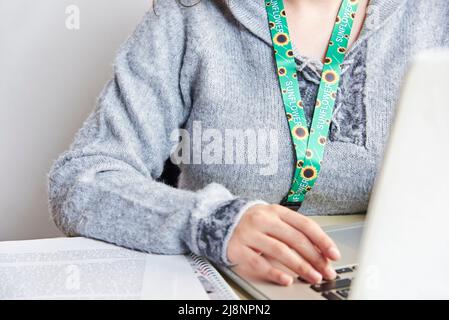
{"x": 214, "y": 67}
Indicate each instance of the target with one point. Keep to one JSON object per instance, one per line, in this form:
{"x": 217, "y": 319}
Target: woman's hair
{"x": 184, "y": 3}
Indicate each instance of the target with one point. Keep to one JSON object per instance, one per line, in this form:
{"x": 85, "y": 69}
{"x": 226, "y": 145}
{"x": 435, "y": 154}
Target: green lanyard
{"x": 309, "y": 146}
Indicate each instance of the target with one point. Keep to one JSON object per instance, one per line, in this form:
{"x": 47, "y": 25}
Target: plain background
{"x": 50, "y": 77}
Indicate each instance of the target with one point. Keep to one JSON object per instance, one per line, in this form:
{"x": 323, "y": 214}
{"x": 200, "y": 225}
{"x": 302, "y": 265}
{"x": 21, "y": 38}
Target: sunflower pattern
{"x": 282, "y": 71}
{"x": 309, "y": 144}
{"x": 309, "y": 154}
{"x": 281, "y": 39}
{"x": 309, "y": 173}
{"x": 301, "y": 133}
{"x": 322, "y": 140}
{"x": 330, "y": 76}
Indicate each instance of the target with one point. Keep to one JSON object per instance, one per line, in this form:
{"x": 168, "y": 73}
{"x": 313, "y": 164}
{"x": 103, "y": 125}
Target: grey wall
{"x": 50, "y": 77}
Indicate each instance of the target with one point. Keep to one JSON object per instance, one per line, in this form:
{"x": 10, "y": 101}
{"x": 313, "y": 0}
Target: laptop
{"x": 401, "y": 251}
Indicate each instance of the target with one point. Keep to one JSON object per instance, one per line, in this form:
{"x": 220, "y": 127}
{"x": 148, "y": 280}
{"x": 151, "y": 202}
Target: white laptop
{"x": 402, "y": 252}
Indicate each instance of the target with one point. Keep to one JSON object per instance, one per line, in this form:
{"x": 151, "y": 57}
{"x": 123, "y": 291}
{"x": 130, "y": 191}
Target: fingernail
{"x": 331, "y": 273}
{"x": 334, "y": 253}
{"x": 315, "y": 276}
{"x": 286, "y": 280}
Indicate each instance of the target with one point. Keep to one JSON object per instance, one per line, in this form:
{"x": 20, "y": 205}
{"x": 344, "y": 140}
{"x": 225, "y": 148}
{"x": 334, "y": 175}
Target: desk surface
{"x": 322, "y": 221}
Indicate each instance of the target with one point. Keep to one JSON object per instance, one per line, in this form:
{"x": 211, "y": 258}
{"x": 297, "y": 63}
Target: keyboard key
{"x": 343, "y": 293}
{"x": 331, "y": 285}
{"x": 325, "y": 280}
{"x": 343, "y": 270}
{"x": 330, "y": 296}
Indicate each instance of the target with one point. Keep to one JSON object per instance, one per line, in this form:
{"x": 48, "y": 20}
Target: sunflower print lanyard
{"x": 309, "y": 146}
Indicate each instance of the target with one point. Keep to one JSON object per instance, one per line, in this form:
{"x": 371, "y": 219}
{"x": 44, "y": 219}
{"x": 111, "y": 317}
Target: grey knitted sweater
{"x": 209, "y": 70}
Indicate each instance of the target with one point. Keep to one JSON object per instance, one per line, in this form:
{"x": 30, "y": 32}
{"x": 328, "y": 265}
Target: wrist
{"x": 238, "y": 216}
{"x": 215, "y": 230}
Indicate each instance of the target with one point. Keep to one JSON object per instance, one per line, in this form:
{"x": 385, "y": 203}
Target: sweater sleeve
{"x": 105, "y": 186}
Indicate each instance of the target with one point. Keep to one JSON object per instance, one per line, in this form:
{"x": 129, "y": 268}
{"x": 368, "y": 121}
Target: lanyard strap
{"x": 309, "y": 145}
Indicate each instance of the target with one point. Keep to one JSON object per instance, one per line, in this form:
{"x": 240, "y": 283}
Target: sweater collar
{"x": 252, "y": 15}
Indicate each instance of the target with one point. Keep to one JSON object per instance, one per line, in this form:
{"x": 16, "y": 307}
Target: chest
{"x": 311, "y": 26}
{"x": 233, "y": 85}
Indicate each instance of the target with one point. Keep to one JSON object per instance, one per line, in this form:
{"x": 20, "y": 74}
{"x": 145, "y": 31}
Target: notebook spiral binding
{"x": 213, "y": 282}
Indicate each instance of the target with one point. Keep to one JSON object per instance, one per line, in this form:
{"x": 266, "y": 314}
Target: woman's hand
{"x": 294, "y": 240}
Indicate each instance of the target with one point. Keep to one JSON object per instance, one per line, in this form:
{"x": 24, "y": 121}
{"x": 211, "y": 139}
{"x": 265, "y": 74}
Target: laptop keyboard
{"x": 337, "y": 289}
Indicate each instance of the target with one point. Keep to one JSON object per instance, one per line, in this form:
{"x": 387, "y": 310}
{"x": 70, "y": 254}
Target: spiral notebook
{"x": 80, "y": 268}
{"x": 212, "y": 281}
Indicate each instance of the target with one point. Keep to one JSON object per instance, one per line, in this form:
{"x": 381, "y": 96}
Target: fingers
{"x": 293, "y": 240}
{"x": 301, "y": 244}
{"x": 282, "y": 253}
{"x": 312, "y": 230}
{"x": 261, "y": 267}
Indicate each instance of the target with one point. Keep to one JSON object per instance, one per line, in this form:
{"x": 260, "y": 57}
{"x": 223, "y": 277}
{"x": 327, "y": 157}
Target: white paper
{"x": 80, "y": 268}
